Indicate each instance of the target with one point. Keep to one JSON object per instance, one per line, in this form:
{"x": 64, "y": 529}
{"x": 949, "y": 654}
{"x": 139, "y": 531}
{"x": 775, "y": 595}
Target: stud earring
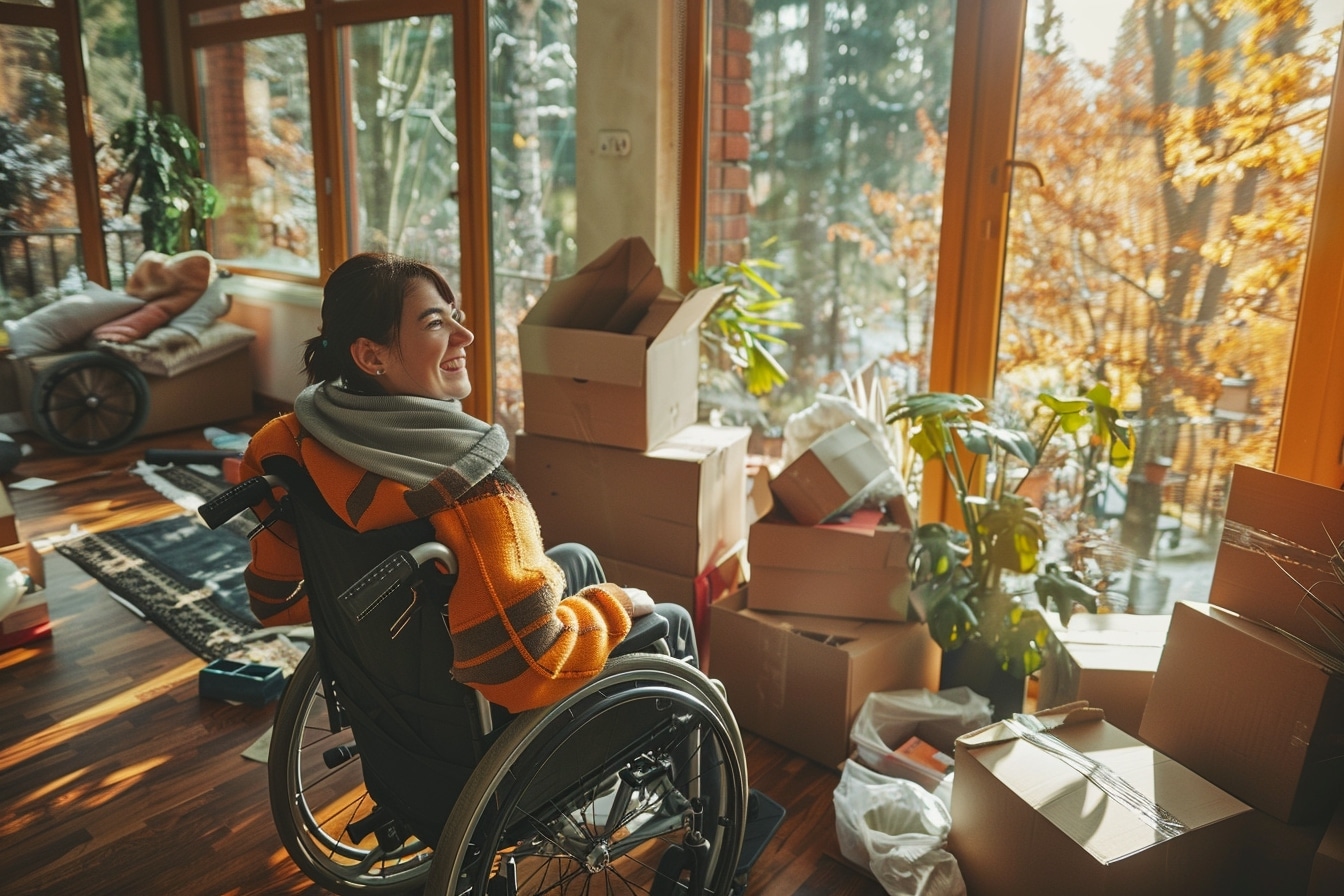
{"x": 379, "y": 372}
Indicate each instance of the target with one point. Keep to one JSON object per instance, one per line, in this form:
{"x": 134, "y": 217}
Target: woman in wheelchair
{"x": 590, "y": 769}
{"x": 381, "y": 432}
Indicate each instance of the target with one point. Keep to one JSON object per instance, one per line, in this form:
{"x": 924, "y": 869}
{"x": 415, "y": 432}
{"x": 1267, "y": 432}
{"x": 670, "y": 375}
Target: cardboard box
{"x": 1276, "y": 527}
{"x": 858, "y": 569}
{"x": 800, "y": 680}
{"x": 25, "y": 556}
{"x": 1107, "y": 659}
{"x": 696, "y": 593}
{"x": 1327, "y": 869}
{"x": 9, "y": 527}
{"x": 1026, "y": 821}
{"x": 1251, "y": 710}
{"x": 677, "y": 507}
{"x": 611, "y": 355}
{"x": 824, "y": 481}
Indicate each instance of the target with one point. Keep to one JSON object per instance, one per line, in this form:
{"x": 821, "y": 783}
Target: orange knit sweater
{"x": 516, "y": 638}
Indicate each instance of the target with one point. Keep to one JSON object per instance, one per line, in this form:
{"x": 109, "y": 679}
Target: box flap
{"x": 691, "y": 312}
{"x": 611, "y": 293}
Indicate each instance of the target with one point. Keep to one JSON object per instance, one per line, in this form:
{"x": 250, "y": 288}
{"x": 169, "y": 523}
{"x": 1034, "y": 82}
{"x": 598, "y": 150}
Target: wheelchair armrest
{"x": 645, "y": 631}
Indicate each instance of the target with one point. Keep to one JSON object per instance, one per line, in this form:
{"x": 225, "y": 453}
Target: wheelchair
{"x": 385, "y": 775}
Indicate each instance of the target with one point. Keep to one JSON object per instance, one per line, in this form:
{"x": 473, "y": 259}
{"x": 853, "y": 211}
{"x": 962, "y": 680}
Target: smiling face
{"x": 429, "y": 358}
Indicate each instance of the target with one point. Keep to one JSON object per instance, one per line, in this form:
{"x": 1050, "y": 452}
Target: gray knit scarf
{"x": 400, "y": 437}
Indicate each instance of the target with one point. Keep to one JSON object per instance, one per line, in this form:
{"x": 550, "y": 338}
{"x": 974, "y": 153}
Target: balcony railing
{"x": 34, "y": 262}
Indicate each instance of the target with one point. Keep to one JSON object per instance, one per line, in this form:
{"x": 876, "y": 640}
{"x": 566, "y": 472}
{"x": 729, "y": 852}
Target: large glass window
{"x": 256, "y": 124}
{"x": 400, "y": 139}
{"x": 1161, "y": 246}
{"x": 532, "y": 68}
{"x": 826, "y": 153}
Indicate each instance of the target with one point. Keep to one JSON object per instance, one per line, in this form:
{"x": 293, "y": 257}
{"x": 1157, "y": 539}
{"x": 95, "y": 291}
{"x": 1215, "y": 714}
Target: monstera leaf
{"x": 1014, "y": 533}
{"x": 1059, "y": 588}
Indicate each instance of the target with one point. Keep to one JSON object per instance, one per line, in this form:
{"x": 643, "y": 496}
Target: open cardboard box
{"x": 828, "y": 478}
{"x": 858, "y": 568}
{"x": 1025, "y": 820}
{"x": 800, "y": 680}
{"x": 677, "y": 507}
{"x": 1251, "y": 698}
{"x": 611, "y": 355}
{"x": 1107, "y": 659}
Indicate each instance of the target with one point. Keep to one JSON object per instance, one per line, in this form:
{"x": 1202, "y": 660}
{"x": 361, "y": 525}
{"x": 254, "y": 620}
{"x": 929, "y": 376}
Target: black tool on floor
{"x": 214, "y": 456}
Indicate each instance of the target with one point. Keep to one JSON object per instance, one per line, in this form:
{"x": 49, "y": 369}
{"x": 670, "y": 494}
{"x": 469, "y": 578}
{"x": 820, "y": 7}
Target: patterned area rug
{"x": 183, "y": 576}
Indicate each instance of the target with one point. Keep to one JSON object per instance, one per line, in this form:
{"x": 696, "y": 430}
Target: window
{"x": 1165, "y": 246}
{"x": 332, "y": 127}
{"x": 50, "y": 233}
{"x": 533, "y": 71}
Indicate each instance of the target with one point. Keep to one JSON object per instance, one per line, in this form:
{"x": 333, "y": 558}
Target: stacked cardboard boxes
{"x": 612, "y": 455}
{"x": 1249, "y": 692}
{"x": 823, "y": 621}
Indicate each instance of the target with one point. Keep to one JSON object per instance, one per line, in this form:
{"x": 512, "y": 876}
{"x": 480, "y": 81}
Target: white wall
{"x": 284, "y": 316}
{"x": 627, "y": 81}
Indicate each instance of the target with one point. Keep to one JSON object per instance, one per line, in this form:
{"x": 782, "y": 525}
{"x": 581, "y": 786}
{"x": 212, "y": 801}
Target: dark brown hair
{"x": 363, "y": 299}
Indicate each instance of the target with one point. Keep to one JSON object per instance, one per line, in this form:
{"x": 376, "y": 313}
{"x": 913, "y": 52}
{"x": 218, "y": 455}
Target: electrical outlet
{"x": 613, "y": 143}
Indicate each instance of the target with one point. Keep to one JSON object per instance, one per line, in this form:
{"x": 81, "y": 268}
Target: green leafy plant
{"x": 159, "y": 160}
{"x": 958, "y": 575}
{"x": 738, "y": 328}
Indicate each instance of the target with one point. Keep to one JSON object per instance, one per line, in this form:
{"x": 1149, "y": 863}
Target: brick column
{"x": 728, "y": 173}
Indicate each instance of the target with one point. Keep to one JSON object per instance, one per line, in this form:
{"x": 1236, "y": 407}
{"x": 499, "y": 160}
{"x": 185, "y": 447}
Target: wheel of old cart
{"x": 89, "y": 402}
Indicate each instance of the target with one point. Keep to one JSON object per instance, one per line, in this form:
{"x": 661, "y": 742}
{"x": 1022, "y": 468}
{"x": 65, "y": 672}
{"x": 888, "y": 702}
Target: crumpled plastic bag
{"x": 888, "y": 719}
{"x": 828, "y": 413}
{"x": 897, "y": 830}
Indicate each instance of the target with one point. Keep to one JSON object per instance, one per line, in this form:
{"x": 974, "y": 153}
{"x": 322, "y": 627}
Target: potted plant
{"x": 982, "y": 587}
{"x": 159, "y": 161}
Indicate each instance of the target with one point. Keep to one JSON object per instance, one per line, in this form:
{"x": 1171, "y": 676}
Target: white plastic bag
{"x": 897, "y": 830}
{"x": 888, "y": 719}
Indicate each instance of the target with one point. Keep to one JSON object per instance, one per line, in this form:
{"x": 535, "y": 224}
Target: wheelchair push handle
{"x": 398, "y": 569}
{"x": 228, "y": 504}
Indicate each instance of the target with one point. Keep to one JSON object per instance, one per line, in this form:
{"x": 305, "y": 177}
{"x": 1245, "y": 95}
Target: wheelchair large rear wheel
{"x": 635, "y": 785}
{"x": 322, "y": 810}
{"x": 89, "y": 402}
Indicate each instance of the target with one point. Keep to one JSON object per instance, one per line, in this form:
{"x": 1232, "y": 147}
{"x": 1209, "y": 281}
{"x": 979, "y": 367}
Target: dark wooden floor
{"x": 116, "y": 778}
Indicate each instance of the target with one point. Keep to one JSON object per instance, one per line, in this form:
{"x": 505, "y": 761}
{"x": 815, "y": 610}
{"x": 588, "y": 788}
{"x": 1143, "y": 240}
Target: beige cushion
{"x": 168, "y": 351}
{"x": 65, "y": 322}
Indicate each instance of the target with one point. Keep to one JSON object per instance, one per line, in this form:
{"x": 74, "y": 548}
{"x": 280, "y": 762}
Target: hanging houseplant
{"x": 159, "y": 161}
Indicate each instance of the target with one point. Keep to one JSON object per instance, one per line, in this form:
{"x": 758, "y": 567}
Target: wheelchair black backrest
{"x": 419, "y": 731}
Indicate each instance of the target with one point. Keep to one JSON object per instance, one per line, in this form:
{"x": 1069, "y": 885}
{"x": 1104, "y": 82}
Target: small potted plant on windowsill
{"x": 982, "y": 588}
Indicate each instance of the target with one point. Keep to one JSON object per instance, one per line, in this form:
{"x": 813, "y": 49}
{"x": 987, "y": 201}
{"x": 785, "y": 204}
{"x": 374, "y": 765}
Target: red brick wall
{"x": 728, "y": 172}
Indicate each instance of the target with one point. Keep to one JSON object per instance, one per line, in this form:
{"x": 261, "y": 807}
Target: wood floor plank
{"x": 117, "y": 778}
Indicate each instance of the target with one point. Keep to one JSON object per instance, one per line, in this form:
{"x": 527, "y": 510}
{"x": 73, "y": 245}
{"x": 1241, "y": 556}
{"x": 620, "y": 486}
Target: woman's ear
{"x": 368, "y": 356}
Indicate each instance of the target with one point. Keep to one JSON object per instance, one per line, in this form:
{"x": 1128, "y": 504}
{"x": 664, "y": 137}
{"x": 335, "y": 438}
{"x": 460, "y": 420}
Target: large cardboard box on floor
{"x": 1255, "y": 712}
{"x": 826, "y": 479}
{"x": 611, "y": 355}
{"x": 1027, "y": 820}
{"x": 858, "y": 568}
{"x": 1107, "y": 659}
{"x": 800, "y": 680}
{"x": 678, "y": 507}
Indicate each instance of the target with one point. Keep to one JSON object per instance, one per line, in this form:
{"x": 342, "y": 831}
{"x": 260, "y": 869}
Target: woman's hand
{"x": 640, "y": 602}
